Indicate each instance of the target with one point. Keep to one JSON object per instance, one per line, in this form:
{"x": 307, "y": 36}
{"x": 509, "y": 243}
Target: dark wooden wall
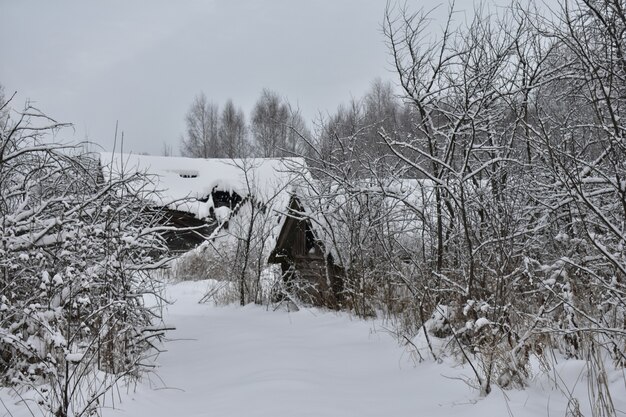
{"x": 304, "y": 264}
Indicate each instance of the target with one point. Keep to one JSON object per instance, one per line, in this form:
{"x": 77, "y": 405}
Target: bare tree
{"x": 465, "y": 89}
{"x": 269, "y": 124}
{"x": 276, "y": 126}
{"x": 359, "y": 122}
{"x": 582, "y": 138}
{"x": 382, "y": 111}
{"x": 239, "y": 246}
{"x": 232, "y": 132}
{"x": 166, "y": 149}
{"x": 201, "y": 139}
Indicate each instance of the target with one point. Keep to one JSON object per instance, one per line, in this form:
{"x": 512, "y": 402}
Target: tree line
{"x": 273, "y": 130}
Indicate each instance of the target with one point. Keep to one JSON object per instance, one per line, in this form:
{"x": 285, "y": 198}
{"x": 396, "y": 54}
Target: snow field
{"x": 233, "y": 361}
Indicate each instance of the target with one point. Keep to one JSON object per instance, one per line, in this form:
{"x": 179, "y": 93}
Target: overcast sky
{"x": 142, "y": 62}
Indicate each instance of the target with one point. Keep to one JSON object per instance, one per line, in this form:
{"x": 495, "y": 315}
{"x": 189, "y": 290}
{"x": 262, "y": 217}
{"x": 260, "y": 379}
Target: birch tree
{"x": 232, "y": 132}
{"x": 276, "y": 126}
{"x": 201, "y": 139}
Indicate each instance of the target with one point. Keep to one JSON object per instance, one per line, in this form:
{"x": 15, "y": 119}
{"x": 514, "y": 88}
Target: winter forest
{"x": 471, "y": 209}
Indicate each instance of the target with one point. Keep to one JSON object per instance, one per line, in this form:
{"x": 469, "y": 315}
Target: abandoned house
{"x": 213, "y": 205}
{"x": 201, "y": 196}
{"x": 304, "y": 259}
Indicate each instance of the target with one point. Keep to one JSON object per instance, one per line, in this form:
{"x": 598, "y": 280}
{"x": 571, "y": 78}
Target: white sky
{"x": 142, "y": 62}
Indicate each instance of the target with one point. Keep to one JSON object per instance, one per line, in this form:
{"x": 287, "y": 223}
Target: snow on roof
{"x": 399, "y": 206}
{"x": 186, "y": 184}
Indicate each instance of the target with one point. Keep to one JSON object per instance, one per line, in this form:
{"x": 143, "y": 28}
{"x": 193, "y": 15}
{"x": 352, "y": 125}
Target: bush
{"x": 76, "y": 253}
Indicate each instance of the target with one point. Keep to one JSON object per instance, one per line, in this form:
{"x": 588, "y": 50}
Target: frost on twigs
{"x": 75, "y": 257}
{"x": 517, "y": 152}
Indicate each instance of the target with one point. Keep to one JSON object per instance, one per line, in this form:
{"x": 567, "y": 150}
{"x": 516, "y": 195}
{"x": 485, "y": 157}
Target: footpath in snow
{"x": 233, "y": 361}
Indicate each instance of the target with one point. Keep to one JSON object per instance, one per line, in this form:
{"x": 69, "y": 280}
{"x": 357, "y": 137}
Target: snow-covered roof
{"x": 399, "y": 206}
{"x": 186, "y": 184}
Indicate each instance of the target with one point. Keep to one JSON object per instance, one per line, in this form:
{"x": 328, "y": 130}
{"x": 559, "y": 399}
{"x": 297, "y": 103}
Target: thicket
{"x": 76, "y": 251}
{"x": 496, "y": 219}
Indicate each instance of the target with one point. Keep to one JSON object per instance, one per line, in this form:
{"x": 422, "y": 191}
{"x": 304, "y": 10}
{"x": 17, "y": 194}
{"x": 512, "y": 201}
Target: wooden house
{"x": 314, "y": 243}
{"x": 304, "y": 261}
{"x": 199, "y": 196}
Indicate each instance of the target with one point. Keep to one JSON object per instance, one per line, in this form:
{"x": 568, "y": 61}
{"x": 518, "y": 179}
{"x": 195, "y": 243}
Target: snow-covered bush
{"x": 517, "y": 139}
{"x": 244, "y": 249}
{"x": 75, "y": 257}
{"x": 203, "y": 262}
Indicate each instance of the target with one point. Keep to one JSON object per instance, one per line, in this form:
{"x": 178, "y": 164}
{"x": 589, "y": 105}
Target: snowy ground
{"x": 232, "y": 361}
